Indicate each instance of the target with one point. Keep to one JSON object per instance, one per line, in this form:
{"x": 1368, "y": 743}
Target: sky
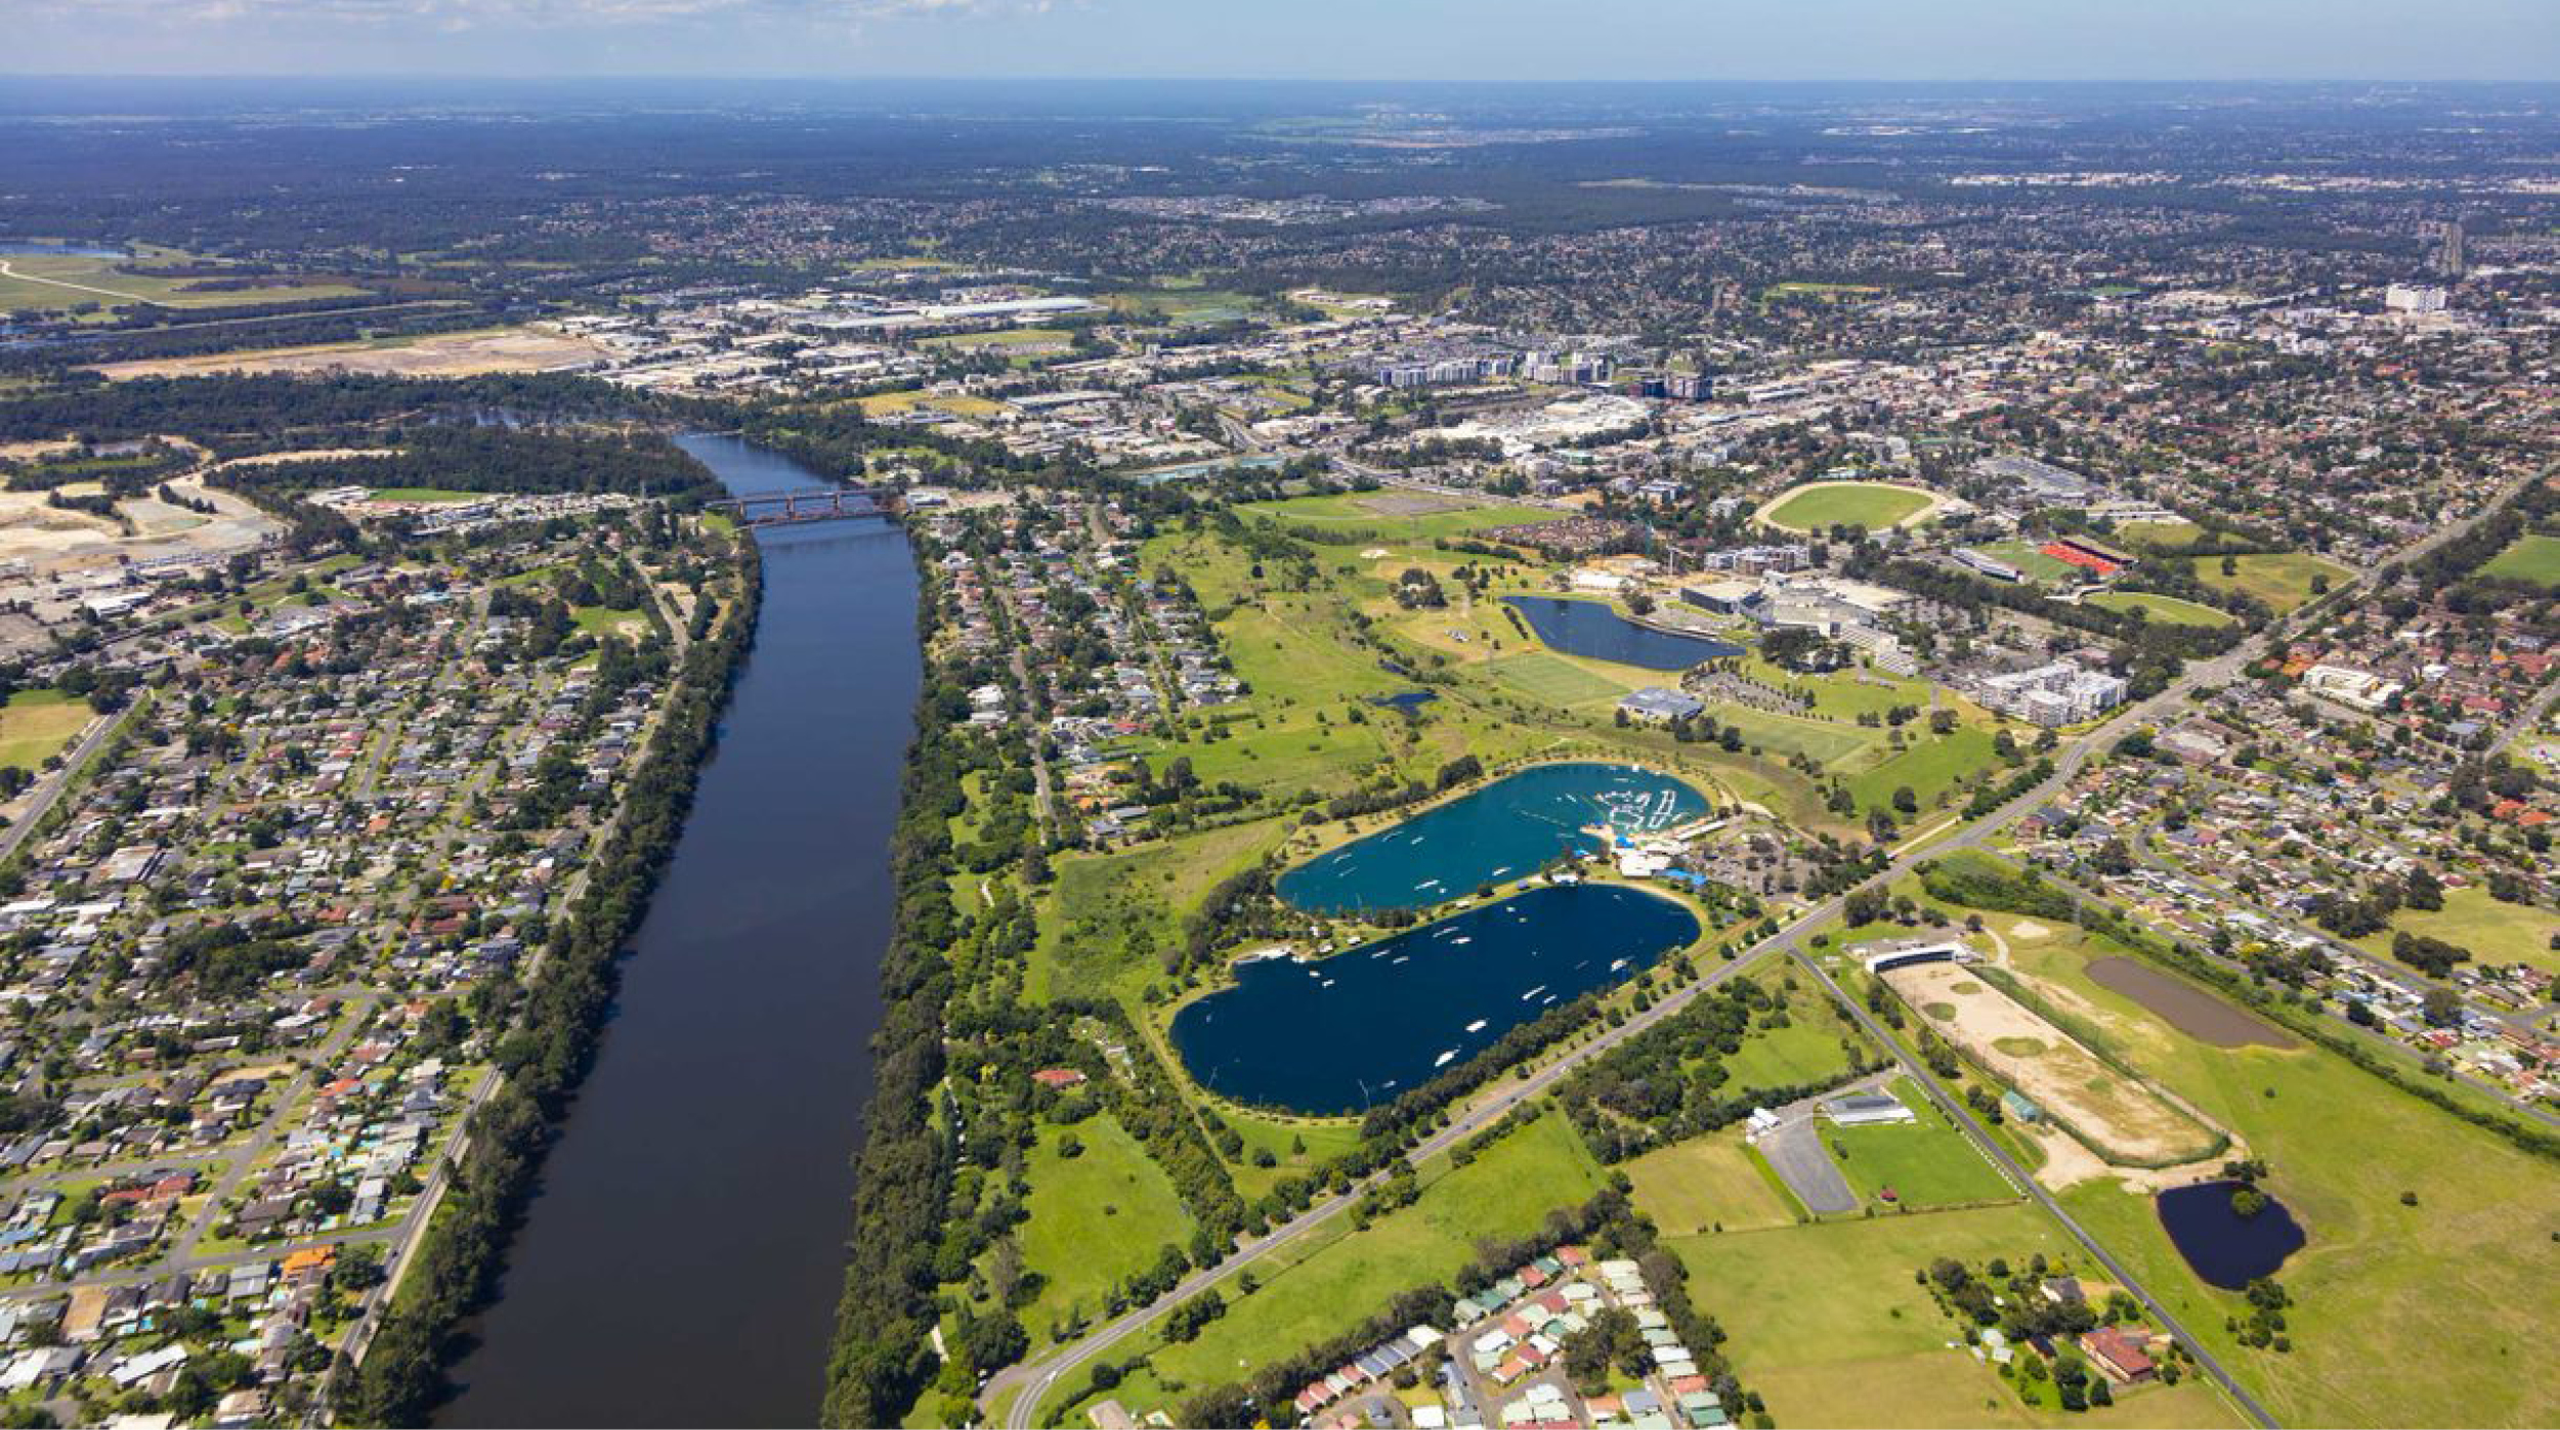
{"x": 1911, "y": 40}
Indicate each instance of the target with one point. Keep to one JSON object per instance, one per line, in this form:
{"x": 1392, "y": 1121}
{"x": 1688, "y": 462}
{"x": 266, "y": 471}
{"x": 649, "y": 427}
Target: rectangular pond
{"x": 1349, "y": 1032}
{"x": 1505, "y": 830}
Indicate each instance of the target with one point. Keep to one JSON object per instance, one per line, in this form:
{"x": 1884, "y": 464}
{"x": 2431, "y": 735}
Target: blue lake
{"x": 2225, "y": 1248}
{"x": 1503, "y": 831}
{"x": 1348, "y": 1032}
{"x": 1590, "y": 628}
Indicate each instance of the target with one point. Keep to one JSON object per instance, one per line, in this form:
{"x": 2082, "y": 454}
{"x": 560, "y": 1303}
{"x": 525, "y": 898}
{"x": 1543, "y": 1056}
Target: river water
{"x": 681, "y": 1262}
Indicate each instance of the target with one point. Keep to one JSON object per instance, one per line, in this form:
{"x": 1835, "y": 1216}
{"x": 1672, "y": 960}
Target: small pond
{"x": 2225, "y": 1248}
{"x": 1349, "y": 1032}
{"x": 1590, "y": 628}
{"x": 1505, "y": 830}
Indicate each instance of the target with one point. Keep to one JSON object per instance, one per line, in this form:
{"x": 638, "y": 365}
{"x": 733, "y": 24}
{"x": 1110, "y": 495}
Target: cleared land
{"x": 1397, "y": 515}
{"x": 2495, "y": 932}
{"x": 1827, "y": 1325}
{"x": 2282, "y": 579}
{"x": 1818, "y": 506}
{"x": 1097, "y": 1218}
{"x": 2162, "y": 610}
{"x": 36, "y": 724}
{"x": 1707, "y": 1184}
{"x": 442, "y": 355}
{"x": 2158, "y": 533}
{"x": 55, "y": 281}
{"x": 2534, "y": 558}
{"x": 2466, "y": 1272}
{"x": 2125, "y": 1121}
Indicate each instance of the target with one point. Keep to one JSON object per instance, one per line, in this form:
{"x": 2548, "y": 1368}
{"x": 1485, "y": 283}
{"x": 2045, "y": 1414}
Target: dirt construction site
{"x": 2123, "y": 1119}
{"x": 443, "y": 355}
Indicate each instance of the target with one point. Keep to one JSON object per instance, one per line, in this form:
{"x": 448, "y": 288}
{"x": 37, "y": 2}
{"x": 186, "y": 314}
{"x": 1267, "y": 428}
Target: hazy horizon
{"x": 1403, "y": 41}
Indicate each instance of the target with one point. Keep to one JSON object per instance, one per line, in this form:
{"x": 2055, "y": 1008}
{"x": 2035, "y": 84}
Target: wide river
{"x": 681, "y": 1262}
{"x": 1340, "y": 1034}
{"x": 1503, "y": 831}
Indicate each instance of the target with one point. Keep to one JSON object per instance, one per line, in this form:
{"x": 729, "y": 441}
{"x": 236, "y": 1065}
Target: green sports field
{"x": 1819, "y": 506}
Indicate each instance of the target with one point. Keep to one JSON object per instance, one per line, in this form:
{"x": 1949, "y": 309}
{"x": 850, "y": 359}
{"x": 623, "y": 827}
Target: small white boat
{"x": 1476, "y": 1027}
{"x": 1532, "y": 993}
{"x": 1462, "y": 940}
{"x": 1445, "y": 1058}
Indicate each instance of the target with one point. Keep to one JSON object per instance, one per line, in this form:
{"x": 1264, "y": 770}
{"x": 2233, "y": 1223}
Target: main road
{"x": 1032, "y": 1382}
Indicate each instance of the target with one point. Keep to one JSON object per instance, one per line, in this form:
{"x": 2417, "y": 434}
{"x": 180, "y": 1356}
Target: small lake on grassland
{"x": 2225, "y": 1248}
{"x": 1349, "y": 1032}
{"x": 1589, "y": 628}
{"x": 1502, "y": 831}
{"x": 2185, "y": 1007}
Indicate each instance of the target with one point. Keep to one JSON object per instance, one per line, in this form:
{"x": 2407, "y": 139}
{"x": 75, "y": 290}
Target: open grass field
{"x": 1000, "y": 338}
{"x": 436, "y": 355}
{"x": 1826, "y": 1323}
{"x": 1393, "y": 514}
{"x": 1095, "y": 1218}
{"x": 2534, "y": 558}
{"x": 1819, "y": 506}
{"x": 2162, "y": 610}
{"x": 1553, "y": 680}
{"x": 1181, "y": 306}
{"x": 2494, "y": 932}
{"x": 1503, "y": 1193}
{"x": 1806, "y": 1050}
{"x": 36, "y": 724}
{"x": 2282, "y": 579}
{"x": 1112, "y": 910}
{"x": 1705, "y": 1184}
{"x": 630, "y": 625}
{"x": 1322, "y": 1139}
{"x": 2466, "y": 1272}
{"x": 2158, "y": 533}
{"x": 1929, "y": 768}
{"x": 56, "y": 281}
{"x": 1784, "y": 735}
{"x": 1924, "y": 1164}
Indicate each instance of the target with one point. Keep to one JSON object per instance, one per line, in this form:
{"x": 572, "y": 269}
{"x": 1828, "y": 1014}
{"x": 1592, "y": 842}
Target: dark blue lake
{"x": 2225, "y": 1248}
{"x": 1503, "y": 831}
{"x": 1345, "y": 1033}
{"x": 1590, "y": 628}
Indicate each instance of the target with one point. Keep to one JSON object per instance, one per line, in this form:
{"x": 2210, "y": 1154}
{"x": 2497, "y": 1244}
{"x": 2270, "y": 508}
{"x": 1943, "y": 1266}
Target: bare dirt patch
{"x": 442, "y": 355}
{"x": 2124, "y": 1119}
